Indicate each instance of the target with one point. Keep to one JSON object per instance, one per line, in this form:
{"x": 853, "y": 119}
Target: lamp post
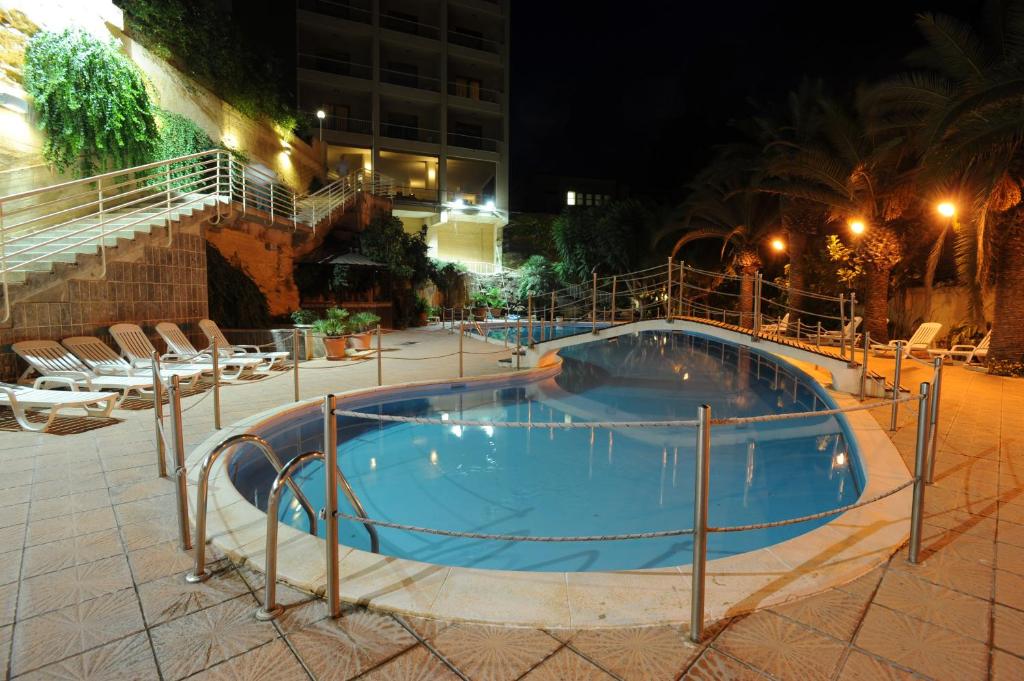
{"x": 857, "y": 227}
{"x": 320, "y": 116}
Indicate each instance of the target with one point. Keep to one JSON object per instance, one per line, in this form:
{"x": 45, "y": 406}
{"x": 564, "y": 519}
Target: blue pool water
{"x": 540, "y": 331}
{"x": 589, "y": 481}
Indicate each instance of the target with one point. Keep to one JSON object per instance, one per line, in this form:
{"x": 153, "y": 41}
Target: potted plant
{"x": 303, "y": 319}
{"x": 359, "y": 326}
{"x": 484, "y": 301}
{"x": 422, "y": 310}
{"x": 333, "y": 328}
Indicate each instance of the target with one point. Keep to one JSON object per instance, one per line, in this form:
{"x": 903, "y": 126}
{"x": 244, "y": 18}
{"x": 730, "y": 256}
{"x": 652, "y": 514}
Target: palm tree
{"x": 852, "y": 175}
{"x": 727, "y": 205}
{"x": 961, "y": 108}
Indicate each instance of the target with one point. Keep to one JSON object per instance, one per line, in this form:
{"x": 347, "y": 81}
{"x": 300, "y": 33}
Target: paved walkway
{"x": 91, "y": 579}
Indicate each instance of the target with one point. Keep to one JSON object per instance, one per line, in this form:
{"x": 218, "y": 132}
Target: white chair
{"x": 778, "y": 328}
{"x": 57, "y": 366}
{"x": 181, "y": 350}
{"x": 920, "y": 341}
{"x": 22, "y": 400}
{"x": 965, "y": 353}
{"x": 98, "y": 356}
{"x": 839, "y": 337}
{"x": 138, "y": 350}
{"x": 227, "y": 349}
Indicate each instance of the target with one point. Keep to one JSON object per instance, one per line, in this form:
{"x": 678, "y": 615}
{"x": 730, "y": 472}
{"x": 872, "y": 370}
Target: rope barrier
{"x": 514, "y": 537}
{"x": 813, "y": 516}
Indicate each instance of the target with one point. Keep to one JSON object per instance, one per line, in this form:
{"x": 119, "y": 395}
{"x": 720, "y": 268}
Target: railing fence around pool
{"x": 661, "y": 292}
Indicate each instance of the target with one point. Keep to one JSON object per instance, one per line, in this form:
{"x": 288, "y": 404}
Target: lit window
{"x": 570, "y": 198}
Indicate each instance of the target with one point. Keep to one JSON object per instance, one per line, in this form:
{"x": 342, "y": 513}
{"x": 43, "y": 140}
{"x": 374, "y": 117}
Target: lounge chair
{"x": 181, "y": 350}
{"x": 98, "y": 356}
{"x": 138, "y": 350}
{"x": 23, "y": 399}
{"x": 57, "y": 366}
{"x": 271, "y": 359}
{"x": 965, "y": 353}
{"x": 839, "y": 337}
{"x": 920, "y": 341}
{"x": 778, "y": 328}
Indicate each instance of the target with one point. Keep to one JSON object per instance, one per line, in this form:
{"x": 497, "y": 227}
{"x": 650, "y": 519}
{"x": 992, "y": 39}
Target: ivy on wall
{"x": 235, "y": 301}
{"x": 201, "y": 38}
{"x": 181, "y": 136}
{"x": 91, "y": 102}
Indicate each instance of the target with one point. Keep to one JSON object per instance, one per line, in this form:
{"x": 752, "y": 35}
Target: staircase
{"x": 57, "y": 224}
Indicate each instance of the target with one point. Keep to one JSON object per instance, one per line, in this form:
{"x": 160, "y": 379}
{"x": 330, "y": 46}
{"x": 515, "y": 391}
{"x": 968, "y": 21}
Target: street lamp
{"x": 778, "y": 245}
{"x": 320, "y": 116}
{"x": 946, "y": 209}
{"x": 857, "y": 227}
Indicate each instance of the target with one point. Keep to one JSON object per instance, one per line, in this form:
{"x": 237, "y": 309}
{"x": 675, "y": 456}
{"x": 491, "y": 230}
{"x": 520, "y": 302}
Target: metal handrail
{"x": 199, "y": 573}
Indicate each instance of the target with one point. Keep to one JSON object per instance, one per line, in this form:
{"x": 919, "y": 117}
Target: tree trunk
{"x": 876, "y": 303}
{"x": 1008, "y": 316}
{"x": 747, "y": 298}
{"x": 797, "y": 245}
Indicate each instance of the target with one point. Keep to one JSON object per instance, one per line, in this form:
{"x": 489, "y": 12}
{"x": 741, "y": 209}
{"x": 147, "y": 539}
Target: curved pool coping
{"x": 831, "y": 555}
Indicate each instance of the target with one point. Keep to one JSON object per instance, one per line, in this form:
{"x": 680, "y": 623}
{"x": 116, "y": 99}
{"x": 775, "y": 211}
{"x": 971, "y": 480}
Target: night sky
{"x": 641, "y": 91}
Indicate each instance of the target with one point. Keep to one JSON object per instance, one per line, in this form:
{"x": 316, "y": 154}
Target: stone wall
{"x": 949, "y": 306}
{"x": 146, "y": 282}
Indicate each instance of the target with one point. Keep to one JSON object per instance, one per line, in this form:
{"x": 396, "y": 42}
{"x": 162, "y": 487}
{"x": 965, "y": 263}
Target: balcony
{"x": 473, "y": 40}
{"x": 472, "y": 91}
{"x": 408, "y": 23}
{"x": 408, "y": 132}
{"x": 338, "y": 10}
{"x": 361, "y": 126}
{"x": 338, "y": 67}
{"x": 458, "y": 139}
{"x": 410, "y": 79}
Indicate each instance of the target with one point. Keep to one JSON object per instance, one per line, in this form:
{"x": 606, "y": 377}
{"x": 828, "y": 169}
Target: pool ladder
{"x": 283, "y": 478}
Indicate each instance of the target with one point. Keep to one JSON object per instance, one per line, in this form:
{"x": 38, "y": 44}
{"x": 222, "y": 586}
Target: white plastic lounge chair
{"x": 839, "y": 337}
{"x": 135, "y": 345}
{"x": 965, "y": 353}
{"x": 22, "y": 399}
{"x": 920, "y": 341}
{"x": 181, "y": 350}
{"x": 779, "y": 327}
{"x": 226, "y": 349}
{"x": 57, "y": 366}
{"x": 98, "y": 356}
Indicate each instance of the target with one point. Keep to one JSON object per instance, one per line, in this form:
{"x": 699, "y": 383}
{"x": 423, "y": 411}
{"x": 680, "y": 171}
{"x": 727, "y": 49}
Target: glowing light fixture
{"x": 320, "y": 114}
{"x": 841, "y": 459}
{"x": 489, "y": 206}
{"x": 433, "y": 457}
{"x": 445, "y": 416}
{"x": 778, "y": 245}
{"x": 458, "y": 204}
{"x": 857, "y": 226}
{"x": 946, "y": 209}
{"x": 373, "y": 463}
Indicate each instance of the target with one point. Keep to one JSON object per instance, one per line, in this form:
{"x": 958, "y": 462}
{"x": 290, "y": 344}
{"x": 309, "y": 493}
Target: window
{"x": 570, "y": 198}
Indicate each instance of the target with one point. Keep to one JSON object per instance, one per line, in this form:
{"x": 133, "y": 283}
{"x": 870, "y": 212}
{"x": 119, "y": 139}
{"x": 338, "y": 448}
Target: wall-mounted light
{"x": 489, "y": 206}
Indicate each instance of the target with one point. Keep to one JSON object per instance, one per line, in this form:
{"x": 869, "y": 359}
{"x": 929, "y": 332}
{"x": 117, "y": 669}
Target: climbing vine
{"x": 90, "y": 100}
{"x": 181, "y": 136}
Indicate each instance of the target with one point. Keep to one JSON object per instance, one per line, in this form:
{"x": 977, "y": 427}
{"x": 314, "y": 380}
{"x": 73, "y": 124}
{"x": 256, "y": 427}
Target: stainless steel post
{"x": 756, "y": 330}
{"x": 462, "y": 336}
{"x": 700, "y": 522}
{"x": 181, "y": 485}
{"x": 933, "y": 428}
{"x": 668, "y": 292}
{"x": 615, "y": 291}
{"x": 552, "y": 315}
{"x": 331, "y": 505}
{"x": 295, "y": 362}
{"x": 380, "y": 358}
{"x": 158, "y": 417}
{"x": 853, "y": 331}
{"x": 593, "y": 309}
{"x": 817, "y": 337}
{"x": 842, "y": 325}
{"x": 864, "y": 366}
{"x": 529, "y": 320}
{"x": 216, "y": 382}
{"x": 680, "y": 278}
{"x": 519, "y": 344}
{"x": 920, "y": 461}
{"x": 896, "y": 386}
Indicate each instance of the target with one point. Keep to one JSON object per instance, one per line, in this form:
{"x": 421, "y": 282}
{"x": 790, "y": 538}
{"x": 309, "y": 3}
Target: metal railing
{"x": 409, "y": 132}
{"x": 58, "y": 222}
{"x": 339, "y": 10}
{"x": 474, "y": 41}
{"x": 410, "y": 25}
{"x": 457, "y": 139}
{"x": 410, "y": 79}
{"x": 339, "y": 67}
{"x": 474, "y": 92}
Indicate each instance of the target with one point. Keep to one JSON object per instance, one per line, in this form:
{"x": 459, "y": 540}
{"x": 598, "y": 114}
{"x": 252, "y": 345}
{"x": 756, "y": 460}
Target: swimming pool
{"x": 541, "y": 330}
{"x": 591, "y": 480}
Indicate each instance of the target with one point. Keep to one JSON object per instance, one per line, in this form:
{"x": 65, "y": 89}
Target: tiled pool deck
{"x": 91, "y": 579}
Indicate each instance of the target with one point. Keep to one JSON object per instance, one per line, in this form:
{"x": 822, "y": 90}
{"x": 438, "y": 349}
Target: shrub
{"x": 303, "y": 317}
{"x": 362, "y": 321}
{"x": 91, "y": 102}
{"x": 537, "y": 276}
{"x": 334, "y": 325}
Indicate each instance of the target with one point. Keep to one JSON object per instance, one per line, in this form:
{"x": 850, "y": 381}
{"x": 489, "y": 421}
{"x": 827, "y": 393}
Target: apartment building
{"x": 417, "y": 90}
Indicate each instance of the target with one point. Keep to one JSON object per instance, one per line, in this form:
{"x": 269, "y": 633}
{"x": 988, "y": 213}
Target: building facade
{"x": 417, "y": 91}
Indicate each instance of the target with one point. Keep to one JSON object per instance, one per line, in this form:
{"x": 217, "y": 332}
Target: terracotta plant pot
{"x": 335, "y": 347}
{"x": 480, "y": 312}
{"x": 421, "y": 319}
{"x": 360, "y": 341}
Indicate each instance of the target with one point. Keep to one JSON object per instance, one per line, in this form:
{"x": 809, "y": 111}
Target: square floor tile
{"x": 170, "y": 597}
{"x": 863, "y": 667}
{"x": 338, "y": 650}
{"x": 832, "y": 612}
{"x": 1006, "y": 667}
{"x": 273, "y": 661}
{"x": 638, "y": 653}
{"x": 1009, "y": 630}
{"x": 966, "y": 615}
{"x": 933, "y": 650}
{"x": 128, "y": 659}
{"x": 565, "y": 665}
{"x": 780, "y": 647}
{"x": 65, "y": 553}
{"x": 418, "y": 664}
{"x": 194, "y": 642}
{"x": 1010, "y": 589}
{"x": 715, "y": 666}
{"x": 55, "y": 590}
{"x": 493, "y": 653}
